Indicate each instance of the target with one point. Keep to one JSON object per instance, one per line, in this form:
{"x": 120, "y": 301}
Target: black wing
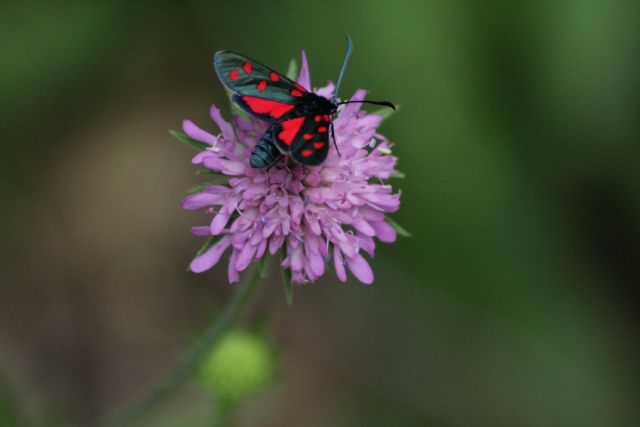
{"x": 259, "y": 90}
{"x": 305, "y": 138}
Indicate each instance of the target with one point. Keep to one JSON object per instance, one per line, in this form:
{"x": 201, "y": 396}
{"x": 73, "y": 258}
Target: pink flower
{"x": 329, "y": 213}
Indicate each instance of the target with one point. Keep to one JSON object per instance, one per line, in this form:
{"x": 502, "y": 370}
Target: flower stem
{"x": 134, "y": 413}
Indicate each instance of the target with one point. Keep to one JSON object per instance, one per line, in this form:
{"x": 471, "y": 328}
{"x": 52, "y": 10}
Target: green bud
{"x": 240, "y": 365}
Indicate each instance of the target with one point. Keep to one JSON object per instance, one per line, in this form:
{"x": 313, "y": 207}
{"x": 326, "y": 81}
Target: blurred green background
{"x": 515, "y": 303}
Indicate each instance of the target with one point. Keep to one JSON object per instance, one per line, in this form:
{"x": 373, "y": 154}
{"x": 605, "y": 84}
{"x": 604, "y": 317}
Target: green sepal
{"x": 197, "y": 189}
{"x": 292, "y": 71}
{"x": 196, "y": 145}
{"x": 398, "y": 228}
{"x": 210, "y": 242}
{"x": 288, "y": 284}
{"x": 209, "y": 172}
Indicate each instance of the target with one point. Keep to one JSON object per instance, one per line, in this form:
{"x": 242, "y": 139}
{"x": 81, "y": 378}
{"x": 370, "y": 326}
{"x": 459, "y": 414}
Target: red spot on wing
{"x": 233, "y": 75}
{"x": 322, "y": 129}
{"x": 326, "y": 117}
{"x": 247, "y": 67}
{"x": 318, "y": 145}
{"x": 308, "y": 136}
{"x": 317, "y": 118}
{"x": 296, "y": 92}
{"x": 264, "y": 106}
{"x": 306, "y": 153}
{"x": 274, "y": 77}
{"x": 262, "y": 85}
{"x": 299, "y": 87}
{"x": 290, "y": 129}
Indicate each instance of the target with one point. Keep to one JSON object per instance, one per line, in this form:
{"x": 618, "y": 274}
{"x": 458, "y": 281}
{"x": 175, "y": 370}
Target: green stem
{"x": 135, "y": 412}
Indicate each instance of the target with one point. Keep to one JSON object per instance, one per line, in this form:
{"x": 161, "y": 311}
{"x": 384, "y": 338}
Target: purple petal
{"x": 360, "y": 268}
{"x": 364, "y": 227}
{"x": 349, "y": 246}
{"x": 232, "y": 273}
{"x": 262, "y": 247}
{"x": 212, "y": 162}
{"x": 316, "y": 264}
{"x": 275, "y": 243}
{"x": 313, "y": 178}
{"x": 350, "y": 109}
{"x": 269, "y": 228}
{"x": 225, "y": 126}
{"x": 327, "y": 91}
{"x": 201, "y": 157}
{"x": 196, "y": 133}
{"x": 383, "y": 202}
{"x": 219, "y": 222}
{"x": 371, "y": 214}
{"x": 366, "y": 244}
{"x": 244, "y": 257}
{"x": 338, "y": 263}
{"x": 297, "y": 258}
{"x": 312, "y": 245}
{"x": 201, "y": 200}
{"x": 384, "y": 232}
{"x": 230, "y": 167}
{"x": 210, "y": 257}
{"x": 304, "y": 78}
{"x": 201, "y": 231}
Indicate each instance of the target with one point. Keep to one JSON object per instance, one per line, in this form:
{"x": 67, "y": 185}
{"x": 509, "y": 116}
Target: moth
{"x": 300, "y": 121}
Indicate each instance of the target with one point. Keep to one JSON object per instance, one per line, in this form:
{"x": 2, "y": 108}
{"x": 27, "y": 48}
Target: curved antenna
{"x": 366, "y": 101}
{"x": 344, "y": 64}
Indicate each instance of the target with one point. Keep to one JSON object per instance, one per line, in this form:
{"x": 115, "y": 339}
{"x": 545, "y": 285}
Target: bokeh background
{"x": 515, "y": 302}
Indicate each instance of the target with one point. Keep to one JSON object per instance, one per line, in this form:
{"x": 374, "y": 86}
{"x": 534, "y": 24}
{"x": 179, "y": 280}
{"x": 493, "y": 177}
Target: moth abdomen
{"x": 265, "y": 153}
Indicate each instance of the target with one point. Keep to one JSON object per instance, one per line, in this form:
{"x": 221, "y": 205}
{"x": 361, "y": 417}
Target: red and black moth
{"x": 301, "y": 121}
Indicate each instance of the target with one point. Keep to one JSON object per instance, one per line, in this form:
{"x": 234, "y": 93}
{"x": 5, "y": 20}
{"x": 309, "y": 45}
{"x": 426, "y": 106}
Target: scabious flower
{"x": 330, "y": 213}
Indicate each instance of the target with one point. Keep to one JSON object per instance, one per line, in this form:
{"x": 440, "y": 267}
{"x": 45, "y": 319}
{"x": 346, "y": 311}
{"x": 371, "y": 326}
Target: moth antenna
{"x": 344, "y": 64}
{"x": 366, "y": 101}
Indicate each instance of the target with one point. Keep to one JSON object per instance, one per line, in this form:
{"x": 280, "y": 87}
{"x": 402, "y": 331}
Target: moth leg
{"x": 274, "y": 162}
{"x": 333, "y": 136}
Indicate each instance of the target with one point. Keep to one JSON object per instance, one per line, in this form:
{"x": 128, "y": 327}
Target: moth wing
{"x": 306, "y": 139}
{"x": 257, "y": 89}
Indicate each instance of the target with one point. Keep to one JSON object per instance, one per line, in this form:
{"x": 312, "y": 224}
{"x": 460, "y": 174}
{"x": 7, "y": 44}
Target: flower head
{"x": 329, "y": 213}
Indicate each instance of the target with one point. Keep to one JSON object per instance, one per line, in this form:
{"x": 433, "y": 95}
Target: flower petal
{"x": 275, "y": 243}
{"x": 361, "y": 269}
{"x": 230, "y": 167}
{"x": 364, "y": 227}
{"x": 350, "y": 109}
{"x": 304, "y": 78}
{"x": 316, "y": 263}
{"x": 262, "y": 247}
{"x": 327, "y": 91}
{"x": 194, "y": 132}
{"x": 384, "y": 232}
{"x": 232, "y": 273}
{"x": 338, "y": 263}
{"x": 202, "y": 230}
{"x": 225, "y": 126}
{"x": 210, "y": 257}
{"x": 219, "y": 221}
{"x": 244, "y": 257}
{"x": 201, "y": 200}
